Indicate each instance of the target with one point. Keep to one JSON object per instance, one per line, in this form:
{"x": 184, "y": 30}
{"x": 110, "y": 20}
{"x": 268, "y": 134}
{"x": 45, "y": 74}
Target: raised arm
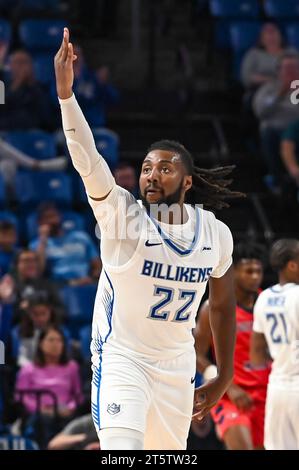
{"x": 91, "y": 166}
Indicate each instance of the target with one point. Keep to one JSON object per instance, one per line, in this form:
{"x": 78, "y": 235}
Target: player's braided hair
{"x": 210, "y": 186}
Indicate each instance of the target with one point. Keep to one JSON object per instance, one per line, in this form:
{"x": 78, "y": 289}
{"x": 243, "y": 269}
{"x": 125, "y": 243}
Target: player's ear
{"x": 187, "y": 182}
{"x": 292, "y": 265}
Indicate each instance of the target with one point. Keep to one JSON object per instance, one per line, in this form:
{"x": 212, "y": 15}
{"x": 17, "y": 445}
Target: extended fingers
{"x": 65, "y": 44}
{"x": 70, "y": 54}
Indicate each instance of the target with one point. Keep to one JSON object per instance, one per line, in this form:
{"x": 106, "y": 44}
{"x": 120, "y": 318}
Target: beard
{"x": 167, "y": 208}
{"x": 172, "y": 198}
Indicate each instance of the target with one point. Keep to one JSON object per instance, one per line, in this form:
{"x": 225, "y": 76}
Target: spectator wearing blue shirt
{"x": 93, "y": 90}
{"x": 26, "y": 105}
{"x": 70, "y": 256}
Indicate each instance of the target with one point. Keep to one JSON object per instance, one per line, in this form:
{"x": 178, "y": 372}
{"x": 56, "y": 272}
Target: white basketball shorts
{"x": 282, "y": 417}
{"x": 153, "y": 397}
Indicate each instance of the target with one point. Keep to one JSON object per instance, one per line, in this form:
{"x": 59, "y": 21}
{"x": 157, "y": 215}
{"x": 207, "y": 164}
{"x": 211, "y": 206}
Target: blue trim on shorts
{"x": 108, "y": 302}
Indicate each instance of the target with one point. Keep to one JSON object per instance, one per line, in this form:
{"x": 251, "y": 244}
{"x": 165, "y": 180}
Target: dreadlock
{"x": 210, "y": 186}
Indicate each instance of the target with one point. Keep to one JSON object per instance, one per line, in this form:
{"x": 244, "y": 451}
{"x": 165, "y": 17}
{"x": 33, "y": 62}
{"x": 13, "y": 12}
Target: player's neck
{"x": 176, "y": 217}
{"x": 283, "y": 280}
{"x": 245, "y": 299}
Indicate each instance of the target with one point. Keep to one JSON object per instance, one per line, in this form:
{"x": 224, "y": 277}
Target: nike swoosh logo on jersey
{"x": 206, "y": 248}
{"x": 69, "y": 130}
{"x": 148, "y": 243}
{"x": 192, "y": 380}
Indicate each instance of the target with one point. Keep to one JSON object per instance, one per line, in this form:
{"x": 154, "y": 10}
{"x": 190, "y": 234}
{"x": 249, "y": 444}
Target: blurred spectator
{"x": 290, "y": 151}
{"x": 260, "y": 63}
{"x": 93, "y": 90}
{"x": 8, "y": 240}
{"x": 39, "y": 315}
{"x": 275, "y": 111}
{"x": 54, "y": 372}
{"x": 26, "y": 106}
{"x": 70, "y": 256}
{"x": 79, "y": 434}
{"x": 3, "y": 54}
{"x": 125, "y": 177}
{"x": 29, "y": 282}
{"x": 11, "y": 158}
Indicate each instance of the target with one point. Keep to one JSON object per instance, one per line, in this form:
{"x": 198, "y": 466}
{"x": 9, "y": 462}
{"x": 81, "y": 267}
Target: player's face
{"x": 163, "y": 178}
{"x": 249, "y": 275}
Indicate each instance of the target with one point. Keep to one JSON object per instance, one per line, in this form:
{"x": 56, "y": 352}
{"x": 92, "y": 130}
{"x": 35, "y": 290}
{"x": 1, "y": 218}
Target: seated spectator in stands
{"x": 11, "y": 158}
{"x": 260, "y": 63}
{"x": 79, "y": 434}
{"x": 125, "y": 177}
{"x": 8, "y": 250}
{"x": 39, "y": 315}
{"x": 70, "y": 256}
{"x": 3, "y": 54}
{"x": 273, "y": 107}
{"x": 93, "y": 90}
{"x": 26, "y": 105}
{"x": 30, "y": 282}
{"x": 290, "y": 151}
{"x": 52, "y": 371}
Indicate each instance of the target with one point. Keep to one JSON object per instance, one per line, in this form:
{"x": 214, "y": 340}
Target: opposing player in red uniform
{"x": 239, "y": 415}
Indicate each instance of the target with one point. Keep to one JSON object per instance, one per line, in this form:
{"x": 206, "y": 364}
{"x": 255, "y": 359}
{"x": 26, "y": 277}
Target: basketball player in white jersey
{"x": 155, "y": 271}
{"x": 276, "y": 336}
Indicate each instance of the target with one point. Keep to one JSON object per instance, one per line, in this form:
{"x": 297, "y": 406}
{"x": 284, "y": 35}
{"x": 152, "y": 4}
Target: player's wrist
{"x": 64, "y": 93}
{"x": 210, "y": 372}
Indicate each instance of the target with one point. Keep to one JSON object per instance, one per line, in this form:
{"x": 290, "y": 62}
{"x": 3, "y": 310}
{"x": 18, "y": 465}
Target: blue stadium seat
{"x": 12, "y": 442}
{"x": 44, "y": 68}
{"x": 292, "y": 34}
{"x": 107, "y": 143}
{"x": 235, "y": 8}
{"x": 5, "y": 31}
{"x": 41, "y": 35}
{"x": 243, "y": 35}
{"x": 32, "y": 188}
{"x": 281, "y": 8}
{"x": 70, "y": 221}
{"x": 85, "y": 339}
{"x": 79, "y": 302}
{"x": 9, "y": 217}
{"x": 39, "y": 5}
{"x": 37, "y": 144}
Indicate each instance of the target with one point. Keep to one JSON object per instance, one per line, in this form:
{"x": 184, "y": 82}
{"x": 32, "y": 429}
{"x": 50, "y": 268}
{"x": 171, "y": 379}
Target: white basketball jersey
{"x": 147, "y": 306}
{"x": 276, "y": 315}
